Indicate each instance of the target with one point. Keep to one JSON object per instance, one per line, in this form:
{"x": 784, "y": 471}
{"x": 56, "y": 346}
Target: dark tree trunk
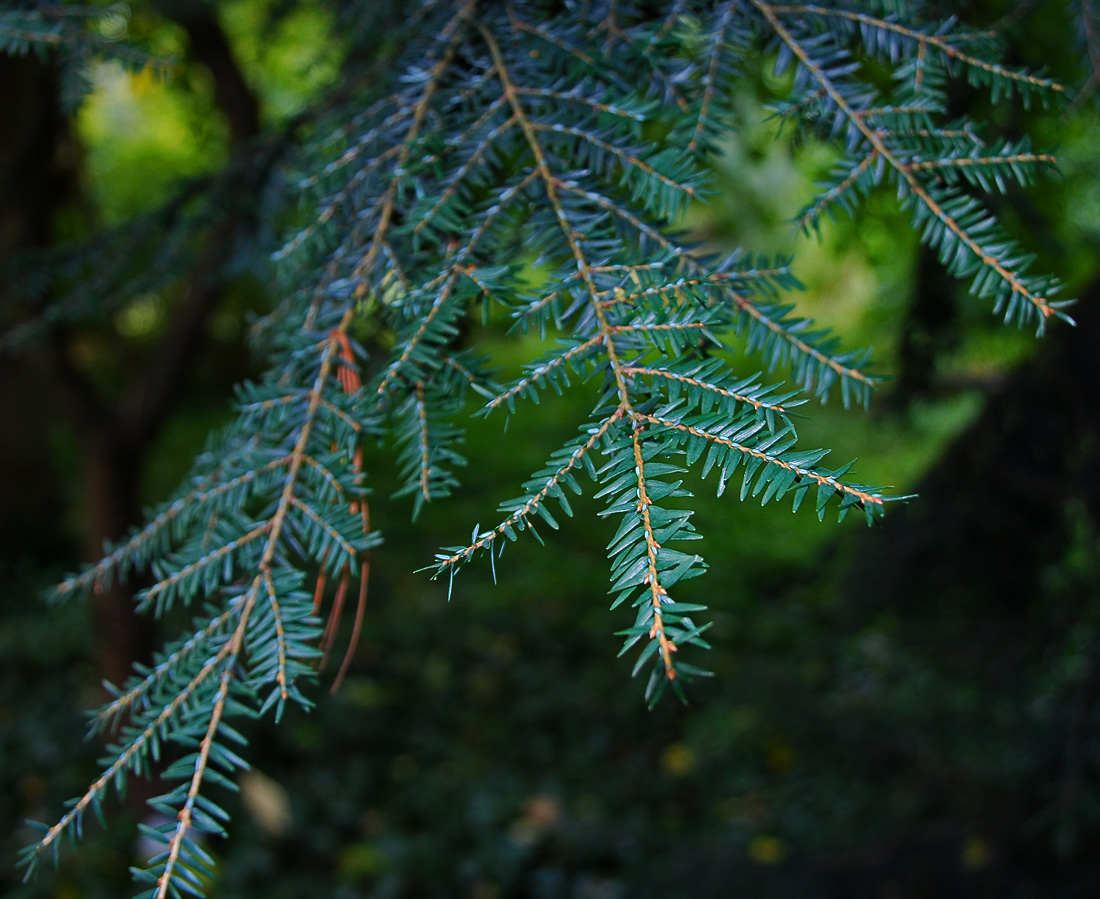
{"x": 36, "y": 179}
{"x": 210, "y": 48}
{"x": 110, "y": 474}
{"x": 113, "y": 434}
{"x": 929, "y": 330}
{"x": 965, "y": 571}
{"x": 992, "y": 514}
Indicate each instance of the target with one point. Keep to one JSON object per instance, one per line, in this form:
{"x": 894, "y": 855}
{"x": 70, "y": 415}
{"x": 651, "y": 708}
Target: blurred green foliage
{"x": 485, "y": 747}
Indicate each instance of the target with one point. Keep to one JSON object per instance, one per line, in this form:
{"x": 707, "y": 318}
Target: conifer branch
{"x": 758, "y": 400}
{"x": 173, "y": 869}
{"x": 955, "y": 224}
{"x": 658, "y": 594}
{"x": 110, "y": 715}
{"x": 636, "y": 112}
{"x": 545, "y": 370}
{"x": 710, "y": 80}
{"x": 549, "y": 38}
{"x": 871, "y": 501}
{"x": 326, "y": 528}
{"x": 931, "y": 41}
{"x": 551, "y": 185}
{"x": 425, "y": 446}
{"x": 186, "y": 507}
{"x": 161, "y": 593}
{"x": 509, "y": 139}
{"x": 836, "y": 193}
{"x": 131, "y": 755}
{"x": 521, "y": 515}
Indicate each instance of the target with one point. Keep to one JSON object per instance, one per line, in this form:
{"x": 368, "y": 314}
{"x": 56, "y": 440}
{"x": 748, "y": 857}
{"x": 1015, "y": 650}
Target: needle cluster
{"x": 533, "y": 159}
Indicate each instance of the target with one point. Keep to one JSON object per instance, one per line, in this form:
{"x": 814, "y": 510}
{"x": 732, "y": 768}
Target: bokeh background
{"x": 906, "y": 711}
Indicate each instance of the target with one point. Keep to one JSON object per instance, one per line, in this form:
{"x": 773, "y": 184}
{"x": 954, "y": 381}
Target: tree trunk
{"x": 110, "y": 475}
{"x": 113, "y": 434}
{"x": 992, "y": 514}
{"x": 35, "y": 181}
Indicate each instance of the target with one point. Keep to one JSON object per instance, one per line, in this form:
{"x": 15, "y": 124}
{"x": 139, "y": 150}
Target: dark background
{"x": 899, "y": 712}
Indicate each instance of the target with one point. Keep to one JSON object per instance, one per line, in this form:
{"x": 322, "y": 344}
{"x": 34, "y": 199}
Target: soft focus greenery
{"x": 486, "y": 747}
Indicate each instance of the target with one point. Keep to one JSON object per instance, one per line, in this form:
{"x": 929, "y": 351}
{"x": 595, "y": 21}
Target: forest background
{"x": 906, "y": 711}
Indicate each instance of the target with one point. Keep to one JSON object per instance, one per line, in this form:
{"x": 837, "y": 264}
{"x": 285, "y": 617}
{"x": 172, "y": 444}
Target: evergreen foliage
{"x": 530, "y": 160}
{"x": 81, "y": 32}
